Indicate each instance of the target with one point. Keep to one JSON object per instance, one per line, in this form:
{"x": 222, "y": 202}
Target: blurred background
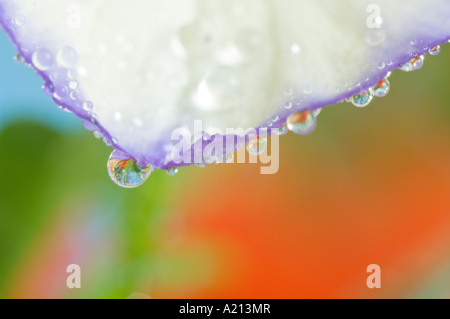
{"x": 368, "y": 186}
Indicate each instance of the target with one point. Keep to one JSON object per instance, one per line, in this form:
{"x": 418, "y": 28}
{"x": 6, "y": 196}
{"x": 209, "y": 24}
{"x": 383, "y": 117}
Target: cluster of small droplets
{"x": 125, "y": 172}
{"x": 382, "y": 88}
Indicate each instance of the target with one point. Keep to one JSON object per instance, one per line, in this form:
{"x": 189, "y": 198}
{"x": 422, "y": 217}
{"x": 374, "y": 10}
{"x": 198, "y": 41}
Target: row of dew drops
{"x": 127, "y": 173}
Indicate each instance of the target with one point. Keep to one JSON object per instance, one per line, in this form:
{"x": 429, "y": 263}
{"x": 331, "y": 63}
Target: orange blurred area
{"x": 317, "y": 239}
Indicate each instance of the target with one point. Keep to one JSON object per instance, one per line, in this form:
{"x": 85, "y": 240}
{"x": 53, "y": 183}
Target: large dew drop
{"x": 302, "y": 123}
{"x": 125, "y": 172}
{"x": 382, "y": 88}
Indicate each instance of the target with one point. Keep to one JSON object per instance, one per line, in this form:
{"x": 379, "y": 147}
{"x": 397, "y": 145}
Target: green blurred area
{"x": 48, "y": 176}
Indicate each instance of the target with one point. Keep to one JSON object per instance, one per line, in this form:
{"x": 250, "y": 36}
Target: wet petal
{"x": 136, "y": 72}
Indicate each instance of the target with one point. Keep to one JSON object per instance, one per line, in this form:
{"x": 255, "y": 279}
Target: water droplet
{"x": 90, "y": 125}
{"x": 435, "y": 50}
{"x": 18, "y": 58}
{"x": 288, "y": 105}
{"x": 381, "y": 89}
{"x": 172, "y": 171}
{"x": 257, "y": 145}
{"x": 307, "y": 90}
{"x": 48, "y": 88}
{"x": 415, "y": 63}
{"x": 67, "y": 57}
{"x": 73, "y": 85}
{"x": 73, "y": 95}
{"x": 289, "y": 92}
{"x": 19, "y": 20}
{"x": 125, "y": 172}
{"x": 302, "y": 123}
{"x": 61, "y": 92}
{"x": 381, "y": 65}
{"x": 72, "y": 74}
{"x": 42, "y": 59}
{"x": 202, "y": 165}
{"x": 362, "y": 99}
{"x": 282, "y": 130}
{"x": 88, "y": 106}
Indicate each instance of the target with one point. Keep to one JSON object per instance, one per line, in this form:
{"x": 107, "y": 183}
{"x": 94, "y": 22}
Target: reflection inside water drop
{"x": 125, "y": 172}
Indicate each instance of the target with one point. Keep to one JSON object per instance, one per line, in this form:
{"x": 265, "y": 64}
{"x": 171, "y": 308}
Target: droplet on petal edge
{"x": 195, "y": 71}
{"x": 302, "y": 123}
{"x": 125, "y": 172}
{"x": 172, "y": 171}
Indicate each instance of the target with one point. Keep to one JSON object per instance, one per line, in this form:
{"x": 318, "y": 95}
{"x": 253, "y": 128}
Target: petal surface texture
{"x": 136, "y": 70}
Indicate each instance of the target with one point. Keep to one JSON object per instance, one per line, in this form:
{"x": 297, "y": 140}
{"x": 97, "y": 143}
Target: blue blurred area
{"x": 22, "y": 97}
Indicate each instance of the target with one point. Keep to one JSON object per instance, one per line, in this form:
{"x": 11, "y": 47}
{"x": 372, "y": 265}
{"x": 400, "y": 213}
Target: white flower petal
{"x": 149, "y": 66}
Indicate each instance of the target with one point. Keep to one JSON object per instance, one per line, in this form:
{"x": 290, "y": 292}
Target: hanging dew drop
{"x": 435, "y": 50}
{"x": 98, "y": 135}
{"x": 362, "y": 99}
{"x": 42, "y": 59}
{"x": 172, "y": 171}
{"x": 302, "y": 123}
{"x": 416, "y": 63}
{"x": 125, "y": 172}
{"x": 257, "y": 145}
{"x": 381, "y": 89}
